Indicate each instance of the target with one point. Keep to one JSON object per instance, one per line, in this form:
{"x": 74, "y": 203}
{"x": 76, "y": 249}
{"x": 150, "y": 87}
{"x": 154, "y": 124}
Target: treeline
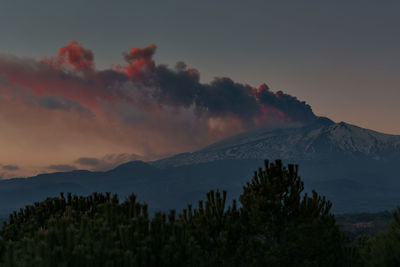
{"x": 356, "y": 225}
{"x": 274, "y": 225}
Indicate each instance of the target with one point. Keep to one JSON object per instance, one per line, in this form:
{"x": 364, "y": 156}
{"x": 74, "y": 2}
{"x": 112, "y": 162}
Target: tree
{"x": 286, "y": 227}
{"x": 384, "y": 248}
{"x": 275, "y": 225}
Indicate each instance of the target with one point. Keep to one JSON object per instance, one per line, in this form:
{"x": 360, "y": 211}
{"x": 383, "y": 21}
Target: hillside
{"x": 321, "y": 140}
{"x": 354, "y": 167}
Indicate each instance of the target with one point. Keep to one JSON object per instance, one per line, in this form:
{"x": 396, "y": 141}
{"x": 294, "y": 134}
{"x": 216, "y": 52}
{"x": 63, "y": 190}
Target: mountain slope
{"x": 354, "y": 167}
{"x": 321, "y": 140}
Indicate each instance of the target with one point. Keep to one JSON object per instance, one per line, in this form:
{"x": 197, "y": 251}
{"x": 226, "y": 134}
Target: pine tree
{"x": 384, "y": 248}
{"x": 285, "y": 227}
{"x": 276, "y": 224}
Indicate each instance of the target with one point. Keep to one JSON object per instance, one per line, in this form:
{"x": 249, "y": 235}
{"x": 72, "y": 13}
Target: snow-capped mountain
{"x": 355, "y": 168}
{"x": 320, "y": 140}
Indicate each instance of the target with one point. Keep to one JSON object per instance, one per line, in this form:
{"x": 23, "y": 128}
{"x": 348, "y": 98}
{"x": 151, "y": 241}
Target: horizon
{"x": 58, "y": 112}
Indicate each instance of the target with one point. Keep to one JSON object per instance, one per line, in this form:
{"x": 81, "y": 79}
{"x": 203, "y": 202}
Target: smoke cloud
{"x": 74, "y": 55}
{"x": 148, "y": 86}
{"x": 68, "y": 107}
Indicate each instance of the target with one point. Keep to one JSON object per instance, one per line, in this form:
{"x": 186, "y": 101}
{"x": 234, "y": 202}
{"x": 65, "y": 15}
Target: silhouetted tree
{"x": 286, "y": 227}
{"x": 275, "y": 225}
{"x": 384, "y": 248}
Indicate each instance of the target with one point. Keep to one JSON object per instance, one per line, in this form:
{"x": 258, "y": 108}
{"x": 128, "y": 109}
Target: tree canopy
{"x": 274, "y": 224}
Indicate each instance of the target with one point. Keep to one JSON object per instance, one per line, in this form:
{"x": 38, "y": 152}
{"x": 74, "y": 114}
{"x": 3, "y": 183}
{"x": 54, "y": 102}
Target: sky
{"x": 124, "y": 97}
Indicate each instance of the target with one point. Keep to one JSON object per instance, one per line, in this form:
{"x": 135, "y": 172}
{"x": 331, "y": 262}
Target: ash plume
{"x": 149, "y": 108}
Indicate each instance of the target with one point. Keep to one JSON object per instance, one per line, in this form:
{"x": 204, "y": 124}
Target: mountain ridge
{"x": 311, "y": 141}
{"x": 346, "y": 163}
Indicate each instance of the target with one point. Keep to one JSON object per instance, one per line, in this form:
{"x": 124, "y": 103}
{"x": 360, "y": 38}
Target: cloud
{"x": 287, "y": 104}
{"x": 62, "y": 107}
{"x": 9, "y": 171}
{"x": 61, "y": 168}
{"x": 19, "y": 96}
{"x": 106, "y": 162}
{"x": 148, "y": 86}
{"x": 73, "y": 55}
{"x": 10, "y": 167}
{"x": 62, "y": 103}
{"x": 85, "y": 161}
{"x": 139, "y": 61}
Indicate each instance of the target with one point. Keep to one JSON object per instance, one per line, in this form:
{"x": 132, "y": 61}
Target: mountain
{"x": 321, "y": 140}
{"x": 354, "y": 167}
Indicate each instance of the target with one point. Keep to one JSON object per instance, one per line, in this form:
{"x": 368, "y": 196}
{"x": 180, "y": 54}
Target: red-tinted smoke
{"x": 147, "y": 86}
{"x": 74, "y": 55}
{"x": 262, "y": 87}
{"x": 139, "y": 61}
{"x": 269, "y": 114}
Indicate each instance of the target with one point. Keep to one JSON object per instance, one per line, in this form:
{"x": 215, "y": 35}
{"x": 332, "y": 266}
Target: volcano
{"x": 356, "y": 168}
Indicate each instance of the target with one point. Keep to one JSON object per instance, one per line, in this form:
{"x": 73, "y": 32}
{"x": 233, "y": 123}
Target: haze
{"x": 341, "y": 58}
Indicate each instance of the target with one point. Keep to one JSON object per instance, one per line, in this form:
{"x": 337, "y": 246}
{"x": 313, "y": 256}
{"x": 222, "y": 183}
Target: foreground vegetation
{"x": 274, "y": 224}
{"x": 359, "y": 225}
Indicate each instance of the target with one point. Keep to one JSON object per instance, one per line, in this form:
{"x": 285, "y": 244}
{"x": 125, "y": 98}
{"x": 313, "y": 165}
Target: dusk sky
{"x": 85, "y": 84}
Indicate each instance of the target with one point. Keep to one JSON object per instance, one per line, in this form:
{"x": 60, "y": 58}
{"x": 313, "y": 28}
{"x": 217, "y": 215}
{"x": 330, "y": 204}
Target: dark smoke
{"x": 148, "y": 86}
